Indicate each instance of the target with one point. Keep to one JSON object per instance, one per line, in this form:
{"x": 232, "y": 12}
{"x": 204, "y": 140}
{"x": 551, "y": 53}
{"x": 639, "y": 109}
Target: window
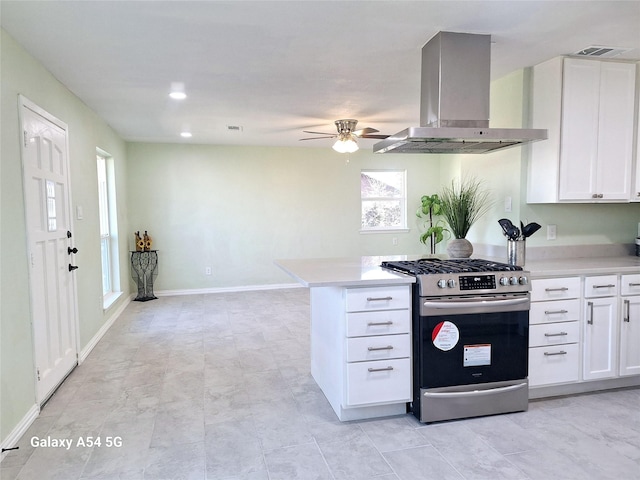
{"x": 108, "y": 229}
{"x": 383, "y": 199}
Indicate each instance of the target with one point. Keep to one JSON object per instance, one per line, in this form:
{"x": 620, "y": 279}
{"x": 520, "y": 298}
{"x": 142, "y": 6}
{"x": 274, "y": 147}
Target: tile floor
{"x": 218, "y": 387}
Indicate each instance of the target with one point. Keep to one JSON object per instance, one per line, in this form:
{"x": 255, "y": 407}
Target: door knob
{"x": 72, "y": 268}
{"x": 72, "y": 250}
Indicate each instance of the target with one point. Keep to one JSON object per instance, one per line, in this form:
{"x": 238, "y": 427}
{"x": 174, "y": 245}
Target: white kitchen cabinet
{"x": 361, "y": 348}
{"x": 588, "y": 108}
{"x": 630, "y": 325}
{"x": 554, "y": 331}
{"x": 600, "y": 356}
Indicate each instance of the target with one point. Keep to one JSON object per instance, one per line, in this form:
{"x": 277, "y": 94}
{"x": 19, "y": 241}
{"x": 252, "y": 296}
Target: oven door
{"x": 472, "y": 340}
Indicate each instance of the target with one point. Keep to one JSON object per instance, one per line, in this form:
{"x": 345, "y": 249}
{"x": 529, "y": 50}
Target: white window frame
{"x": 108, "y": 228}
{"x": 402, "y": 198}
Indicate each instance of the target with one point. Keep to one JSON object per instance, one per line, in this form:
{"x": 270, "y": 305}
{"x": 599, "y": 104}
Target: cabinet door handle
{"x": 610, "y": 285}
{"x": 385, "y": 369}
{"x": 373, "y": 349}
{"x": 559, "y": 289}
{"x": 378, "y": 299}
{"x": 590, "y": 319}
{"x": 555, "y": 334}
{"x": 627, "y": 309}
{"x": 550, "y": 354}
{"x": 553, "y": 312}
{"x": 379, "y": 324}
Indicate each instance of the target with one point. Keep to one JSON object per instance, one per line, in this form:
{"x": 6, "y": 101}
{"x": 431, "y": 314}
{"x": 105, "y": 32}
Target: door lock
{"x": 72, "y": 250}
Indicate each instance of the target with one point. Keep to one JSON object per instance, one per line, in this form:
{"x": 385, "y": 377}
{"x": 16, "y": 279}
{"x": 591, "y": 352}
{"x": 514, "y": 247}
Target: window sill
{"x": 386, "y": 230}
{"x": 109, "y": 299}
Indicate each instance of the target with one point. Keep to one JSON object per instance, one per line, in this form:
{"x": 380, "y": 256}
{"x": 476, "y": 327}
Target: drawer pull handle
{"x": 378, "y": 324}
{"x": 561, "y": 352}
{"x": 553, "y": 312}
{"x": 632, "y": 284}
{"x": 559, "y": 289}
{"x": 379, "y": 299}
{"x": 373, "y": 349}
{"x": 561, "y": 334}
{"x": 385, "y": 369}
{"x": 604, "y": 286}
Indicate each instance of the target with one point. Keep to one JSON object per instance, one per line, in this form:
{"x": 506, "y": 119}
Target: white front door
{"x": 51, "y": 260}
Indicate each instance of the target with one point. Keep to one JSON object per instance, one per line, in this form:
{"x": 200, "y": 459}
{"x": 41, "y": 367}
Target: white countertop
{"x": 353, "y": 272}
{"x": 363, "y": 271}
{"x": 583, "y": 266}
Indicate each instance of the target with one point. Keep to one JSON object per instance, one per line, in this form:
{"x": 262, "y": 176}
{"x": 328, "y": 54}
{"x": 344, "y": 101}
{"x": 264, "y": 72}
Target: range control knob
{"x": 451, "y": 283}
{"x": 504, "y": 281}
{"x": 513, "y": 280}
{"x": 523, "y": 280}
{"x": 442, "y": 283}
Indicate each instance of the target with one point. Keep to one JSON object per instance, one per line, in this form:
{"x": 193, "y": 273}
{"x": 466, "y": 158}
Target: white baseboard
{"x": 20, "y": 429}
{"x": 246, "y": 288}
{"x": 84, "y": 353}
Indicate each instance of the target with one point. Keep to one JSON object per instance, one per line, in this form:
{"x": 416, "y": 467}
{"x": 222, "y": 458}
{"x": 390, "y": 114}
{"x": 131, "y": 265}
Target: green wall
{"x": 237, "y": 209}
{"x": 22, "y": 74}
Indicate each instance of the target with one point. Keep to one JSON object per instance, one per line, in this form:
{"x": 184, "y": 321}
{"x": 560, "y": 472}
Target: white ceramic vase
{"x": 459, "y": 248}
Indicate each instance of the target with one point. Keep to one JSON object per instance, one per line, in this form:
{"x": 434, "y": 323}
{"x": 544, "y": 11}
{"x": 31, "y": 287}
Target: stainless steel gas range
{"x": 470, "y": 337}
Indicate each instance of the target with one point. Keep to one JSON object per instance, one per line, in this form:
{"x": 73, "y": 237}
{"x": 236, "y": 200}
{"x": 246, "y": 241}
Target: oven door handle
{"x": 475, "y": 303}
{"x": 472, "y": 393}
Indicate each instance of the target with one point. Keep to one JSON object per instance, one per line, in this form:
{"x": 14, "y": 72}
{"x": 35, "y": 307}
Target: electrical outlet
{"x": 207, "y": 271}
{"x": 507, "y": 204}
{"x": 551, "y": 232}
{"x": 395, "y": 241}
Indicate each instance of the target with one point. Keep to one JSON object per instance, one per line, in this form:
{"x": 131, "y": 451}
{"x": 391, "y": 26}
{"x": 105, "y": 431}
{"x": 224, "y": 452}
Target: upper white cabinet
{"x": 635, "y": 192}
{"x": 588, "y": 108}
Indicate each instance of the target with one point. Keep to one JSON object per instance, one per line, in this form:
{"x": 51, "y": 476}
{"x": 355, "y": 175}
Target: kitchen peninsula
{"x": 360, "y": 334}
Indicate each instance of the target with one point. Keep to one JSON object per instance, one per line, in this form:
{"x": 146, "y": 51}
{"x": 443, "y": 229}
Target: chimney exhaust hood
{"x": 454, "y": 103}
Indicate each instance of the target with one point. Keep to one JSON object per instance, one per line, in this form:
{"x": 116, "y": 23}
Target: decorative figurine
{"x": 139, "y": 242}
{"x": 147, "y": 241}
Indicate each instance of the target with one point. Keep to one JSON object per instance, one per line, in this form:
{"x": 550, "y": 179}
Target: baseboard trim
{"x": 20, "y": 429}
{"x": 246, "y": 288}
{"x": 84, "y": 353}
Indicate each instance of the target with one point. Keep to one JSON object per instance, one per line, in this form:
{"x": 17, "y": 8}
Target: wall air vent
{"x": 601, "y": 52}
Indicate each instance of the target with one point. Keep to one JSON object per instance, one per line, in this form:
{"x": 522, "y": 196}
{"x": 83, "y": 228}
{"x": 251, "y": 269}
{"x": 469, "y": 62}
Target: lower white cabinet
{"x": 378, "y": 382}
{"x": 600, "y": 338}
{"x": 554, "y": 332}
{"x": 630, "y": 325}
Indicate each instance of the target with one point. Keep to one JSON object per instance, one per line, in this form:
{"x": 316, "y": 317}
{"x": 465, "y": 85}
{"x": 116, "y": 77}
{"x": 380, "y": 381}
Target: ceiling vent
{"x": 601, "y": 52}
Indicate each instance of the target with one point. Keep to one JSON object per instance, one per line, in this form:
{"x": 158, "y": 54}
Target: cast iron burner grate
{"x": 428, "y": 266}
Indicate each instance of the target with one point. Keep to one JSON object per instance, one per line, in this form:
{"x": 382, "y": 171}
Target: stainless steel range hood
{"x": 454, "y": 104}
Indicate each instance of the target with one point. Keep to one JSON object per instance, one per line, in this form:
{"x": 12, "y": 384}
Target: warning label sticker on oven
{"x": 445, "y": 336}
{"x": 477, "y": 355}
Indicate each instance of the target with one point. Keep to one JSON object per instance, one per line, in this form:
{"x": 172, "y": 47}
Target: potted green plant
{"x": 434, "y": 229}
{"x": 462, "y": 204}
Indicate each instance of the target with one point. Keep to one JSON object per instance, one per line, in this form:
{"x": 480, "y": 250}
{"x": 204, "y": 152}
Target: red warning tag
{"x": 445, "y": 336}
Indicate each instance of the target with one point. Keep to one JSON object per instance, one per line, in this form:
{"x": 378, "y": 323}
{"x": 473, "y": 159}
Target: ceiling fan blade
{"x": 381, "y": 137}
{"x": 365, "y": 131}
{"x": 320, "y": 133}
{"x": 318, "y": 138}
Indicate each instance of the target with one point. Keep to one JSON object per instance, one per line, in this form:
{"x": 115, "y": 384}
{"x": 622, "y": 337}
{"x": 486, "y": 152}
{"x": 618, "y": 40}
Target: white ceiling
{"x": 279, "y": 67}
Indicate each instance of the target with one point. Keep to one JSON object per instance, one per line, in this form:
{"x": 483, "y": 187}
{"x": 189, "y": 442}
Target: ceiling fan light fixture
{"x": 346, "y": 144}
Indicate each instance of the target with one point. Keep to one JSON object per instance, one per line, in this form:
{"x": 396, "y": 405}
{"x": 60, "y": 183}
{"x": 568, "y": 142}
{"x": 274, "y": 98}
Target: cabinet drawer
{"x": 378, "y": 298}
{"x": 378, "y": 323}
{"x": 383, "y": 381}
{"x": 361, "y": 349}
{"x": 555, "y": 288}
{"x": 601, "y": 286}
{"x": 559, "y": 364}
{"x": 554, "y": 334}
{"x": 558, "y": 311}
{"x": 630, "y": 285}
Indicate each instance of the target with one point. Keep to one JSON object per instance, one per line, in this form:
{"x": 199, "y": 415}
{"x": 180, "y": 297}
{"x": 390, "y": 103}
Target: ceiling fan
{"x": 346, "y": 135}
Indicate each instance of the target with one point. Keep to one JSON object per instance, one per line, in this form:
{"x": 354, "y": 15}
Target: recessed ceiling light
{"x": 186, "y": 134}
{"x": 177, "y": 91}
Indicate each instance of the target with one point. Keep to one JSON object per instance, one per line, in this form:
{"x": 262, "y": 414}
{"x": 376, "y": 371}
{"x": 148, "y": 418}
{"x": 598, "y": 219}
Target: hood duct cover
{"x": 454, "y": 104}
